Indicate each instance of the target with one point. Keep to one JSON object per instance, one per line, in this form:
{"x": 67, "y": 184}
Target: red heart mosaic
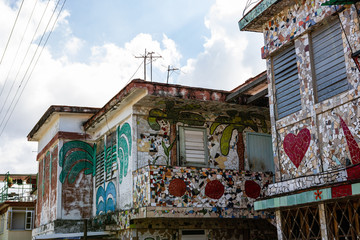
{"x": 214, "y": 189}
{"x": 296, "y": 146}
{"x": 353, "y": 146}
{"x": 252, "y": 189}
{"x": 177, "y": 187}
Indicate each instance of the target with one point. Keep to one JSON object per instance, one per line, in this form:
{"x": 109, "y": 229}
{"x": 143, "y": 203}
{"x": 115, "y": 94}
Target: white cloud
{"x": 222, "y": 64}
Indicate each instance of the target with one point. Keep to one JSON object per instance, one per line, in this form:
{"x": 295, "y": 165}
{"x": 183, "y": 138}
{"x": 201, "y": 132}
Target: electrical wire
{"x": 12, "y": 30}
{"x": 24, "y": 58}
{"x": 134, "y": 73}
{"x": 31, "y": 72}
{"x": 17, "y": 51}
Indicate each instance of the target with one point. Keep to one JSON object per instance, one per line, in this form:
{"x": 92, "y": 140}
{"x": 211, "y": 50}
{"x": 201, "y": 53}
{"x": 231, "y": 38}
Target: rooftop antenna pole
{"x": 151, "y": 60}
{"x": 144, "y": 57}
{"x": 170, "y": 69}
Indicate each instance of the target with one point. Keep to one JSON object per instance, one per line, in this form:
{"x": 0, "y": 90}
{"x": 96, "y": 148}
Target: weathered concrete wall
{"x": 47, "y": 186}
{"x": 216, "y": 229}
{"x": 325, "y": 127}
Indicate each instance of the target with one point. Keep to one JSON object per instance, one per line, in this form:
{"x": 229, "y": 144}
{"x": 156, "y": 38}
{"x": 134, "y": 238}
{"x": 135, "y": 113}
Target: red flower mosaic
{"x": 318, "y": 194}
{"x": 177, "y": 187}
{"x": 252, "y": 189}
{"x": 353, "y": 146}
{"x": 341, "y": 191}
{"x": 296, "y": 146}
{"x": 214, "y": 189}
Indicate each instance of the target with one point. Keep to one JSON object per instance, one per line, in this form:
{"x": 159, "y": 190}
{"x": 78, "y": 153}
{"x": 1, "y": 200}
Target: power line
{"x": 52, "y": 28}
{"x": 12, "y": 30}
{"x": 17, "y": 51}
{"x": 24, "y": 58}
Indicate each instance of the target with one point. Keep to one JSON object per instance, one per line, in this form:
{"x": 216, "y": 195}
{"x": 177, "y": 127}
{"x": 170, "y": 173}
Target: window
{"x": 21, "y": 219}
{"x": 329, "y": 61}
{"x": 287, "y": 84}
{"x": 193, "y": 148}
{"x": 343, "y": 219}
{"x": 259, "y": 152}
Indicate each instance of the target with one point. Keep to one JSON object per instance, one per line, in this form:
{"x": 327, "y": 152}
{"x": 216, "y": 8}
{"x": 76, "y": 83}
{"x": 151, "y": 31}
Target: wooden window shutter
{"x": 329, "y": 61}
{"x": 287, "y": 84}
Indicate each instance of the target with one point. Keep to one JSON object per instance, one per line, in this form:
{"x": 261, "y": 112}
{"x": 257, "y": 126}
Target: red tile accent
{"x": 214, "y": 189}
{"x": 177, "y": 187}
{"x": 353, "y": 146}
{"x": 353, "y": 172}
{"x": 341, "y": 191}
{"x": 252, "y": 189}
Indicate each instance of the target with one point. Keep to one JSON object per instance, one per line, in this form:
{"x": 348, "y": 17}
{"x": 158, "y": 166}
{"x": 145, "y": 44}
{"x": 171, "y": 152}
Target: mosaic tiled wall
{"x": 183, "y": 187}
{"x": 157, "y": 134}
{"x": 325, "y": 146}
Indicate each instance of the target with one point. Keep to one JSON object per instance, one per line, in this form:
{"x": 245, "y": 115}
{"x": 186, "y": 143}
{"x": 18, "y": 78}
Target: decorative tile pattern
{"x": 151, "y": 187}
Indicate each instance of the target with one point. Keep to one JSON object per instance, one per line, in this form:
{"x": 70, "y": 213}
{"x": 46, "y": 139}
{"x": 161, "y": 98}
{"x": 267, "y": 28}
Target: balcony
{"x": 178, "y": 192}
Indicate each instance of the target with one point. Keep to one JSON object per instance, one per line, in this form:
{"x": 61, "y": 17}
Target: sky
{"x": 90, "y": 55}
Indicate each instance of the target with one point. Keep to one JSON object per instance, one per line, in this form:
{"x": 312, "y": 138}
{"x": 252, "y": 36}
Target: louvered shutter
{"x": 329, "y": 61}
{"x": 287, "y": 84}
{"x": 193, "y": 146}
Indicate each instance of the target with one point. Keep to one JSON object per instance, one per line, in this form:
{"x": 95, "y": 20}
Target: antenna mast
{"x": 145, "y": 56}
{"x": 170, "y": 69}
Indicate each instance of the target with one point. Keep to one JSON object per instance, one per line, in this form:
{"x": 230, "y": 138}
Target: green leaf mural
{"x": 124, "y": 149}
{"x": 74, "y": 157}
{"x": 239, "y": 121}
{"x": 174, "y": 114}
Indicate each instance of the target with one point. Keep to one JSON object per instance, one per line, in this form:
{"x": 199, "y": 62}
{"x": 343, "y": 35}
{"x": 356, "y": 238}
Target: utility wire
{"x": 12, "y": 30}
{"x": 27, "y": 51}
{"x": 17, "y": 51}
{"x": 31, "y": 72}
{"x": 134, "y": 73}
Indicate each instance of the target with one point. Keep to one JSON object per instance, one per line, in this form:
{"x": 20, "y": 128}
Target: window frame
{"x": 296, "y": 81}
{"x": 181, "y": 147}
{"x": 315, "y": 76}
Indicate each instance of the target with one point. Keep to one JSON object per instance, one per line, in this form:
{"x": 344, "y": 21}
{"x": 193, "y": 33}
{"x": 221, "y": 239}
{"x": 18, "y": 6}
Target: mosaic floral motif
{"x": 177, "y": 187}
{"x": 295, "y": 146}
{"x": 252, "y": 189}
{"x": 214, "y": 189}
{"x": 318, "y": 194}
{"x": 76, "y": 156}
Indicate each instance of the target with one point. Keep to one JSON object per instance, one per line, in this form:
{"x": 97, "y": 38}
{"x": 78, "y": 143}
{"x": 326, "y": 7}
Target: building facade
{"x": 17, "y": 206}
{"x": 158, "y": 161}
{"x": 311, "y": 49}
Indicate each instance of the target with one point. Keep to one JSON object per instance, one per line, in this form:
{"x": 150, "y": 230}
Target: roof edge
{"x": 255, "y": 12}
{"x": 59, "y": 109}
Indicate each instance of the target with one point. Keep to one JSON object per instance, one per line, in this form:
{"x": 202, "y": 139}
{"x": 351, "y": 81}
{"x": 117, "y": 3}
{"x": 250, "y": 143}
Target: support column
{"x": 278, "y": 225}
{"x": 322, "y": 217}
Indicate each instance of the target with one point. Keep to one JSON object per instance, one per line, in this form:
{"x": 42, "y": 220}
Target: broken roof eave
{"x": 254, "y": 19}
